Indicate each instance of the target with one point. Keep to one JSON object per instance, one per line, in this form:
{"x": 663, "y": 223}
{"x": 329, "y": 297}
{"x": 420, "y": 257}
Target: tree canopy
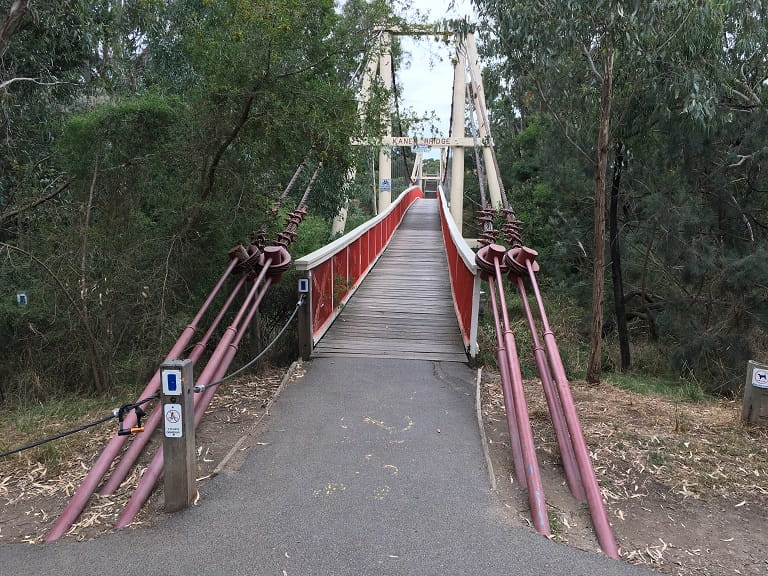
{"x": 684, "y": 121}
{"x": 141, "y": 141}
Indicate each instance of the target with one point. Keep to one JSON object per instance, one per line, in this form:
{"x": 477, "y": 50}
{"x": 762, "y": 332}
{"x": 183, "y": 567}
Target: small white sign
{"x": 385, "y": 184}
{"x": 172, "y": 419}
{"x": 760, "y": 377}
{"x": 171, "y": 382}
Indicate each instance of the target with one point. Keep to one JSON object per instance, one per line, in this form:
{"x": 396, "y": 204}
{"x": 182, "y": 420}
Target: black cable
{"x": 58, "y": 436}
{"x": 134, "y": 405}
{"x": 114, "y": 414}
{"x": 242, "y": 369}
{"x": 403, "y": 149}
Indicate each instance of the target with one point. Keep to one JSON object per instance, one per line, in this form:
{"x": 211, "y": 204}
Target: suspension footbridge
{"x": 374, "y": 463}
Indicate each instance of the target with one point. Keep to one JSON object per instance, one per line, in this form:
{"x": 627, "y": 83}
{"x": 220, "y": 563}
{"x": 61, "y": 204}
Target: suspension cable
{"x": 261, "y": 238}
{"x": 353, "y": 80}
{"x": 485, "y": 214}
{"x": 512, "y": 225}
{"x": 484, "y": 120}
{"x": 476, "y": 148}
{"x": 403, "y": 149}
{"x": 310, "y": 186}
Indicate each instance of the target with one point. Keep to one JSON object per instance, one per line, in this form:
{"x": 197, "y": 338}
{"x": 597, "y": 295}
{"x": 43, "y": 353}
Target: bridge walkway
{"x": 403, "y": 309}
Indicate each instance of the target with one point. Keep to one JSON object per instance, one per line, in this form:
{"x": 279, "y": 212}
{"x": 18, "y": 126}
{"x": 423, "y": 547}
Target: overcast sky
{"x": 426, "y": 77}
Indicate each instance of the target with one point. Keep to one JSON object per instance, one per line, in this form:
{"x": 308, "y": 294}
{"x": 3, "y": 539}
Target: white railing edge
{"x": 314, "y": 259}
{"x": 466, "y": 253}
{"x": 474, "y": 347}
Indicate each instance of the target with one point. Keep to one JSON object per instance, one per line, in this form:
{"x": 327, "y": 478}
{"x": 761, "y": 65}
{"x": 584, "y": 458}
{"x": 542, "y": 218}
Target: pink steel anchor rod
{"x": 215, "y": 363}
{"x": 533, "y": 475}
{"x": 202, "y": 405}
{"x": 501, "y": 358}
{"x": 101, "y": 466}
{"x": 595, "y": 499}
{"x": 140, "y": 441}
{"x": 553, "y": 402}
{"x": 202, "y": 401}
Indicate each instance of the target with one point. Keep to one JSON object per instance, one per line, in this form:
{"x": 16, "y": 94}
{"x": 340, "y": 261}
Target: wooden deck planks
{"x": 403, "y": 309}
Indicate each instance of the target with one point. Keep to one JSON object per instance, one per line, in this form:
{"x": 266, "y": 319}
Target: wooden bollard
{"x": 305, "y": 317}
{"x": 755, "y": 407}
{"x": 178, "y": 434}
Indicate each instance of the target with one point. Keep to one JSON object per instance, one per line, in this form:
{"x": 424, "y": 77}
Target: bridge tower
{"x": 468, "y": 105}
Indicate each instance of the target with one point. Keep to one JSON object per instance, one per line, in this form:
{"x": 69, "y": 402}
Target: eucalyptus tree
{"x": 162, "y": 136}
{"x": 601, "y": 70}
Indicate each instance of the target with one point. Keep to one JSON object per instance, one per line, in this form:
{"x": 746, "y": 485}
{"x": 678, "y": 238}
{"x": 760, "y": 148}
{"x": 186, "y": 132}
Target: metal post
{"x": 179, "y": 434}
{"x": 305, "y": 317}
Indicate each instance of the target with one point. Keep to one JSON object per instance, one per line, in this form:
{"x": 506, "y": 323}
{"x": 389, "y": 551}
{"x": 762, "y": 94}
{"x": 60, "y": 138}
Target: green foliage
{"x": 673, "y": 388}
{"x": 118, "y": 134}
{"x": 689, "y": 113}
{"x": 176, "y": 126}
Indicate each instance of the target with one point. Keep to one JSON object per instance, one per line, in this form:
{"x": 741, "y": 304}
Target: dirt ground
{"x": 686, "y": 484}
{"x": 33, "y": 495}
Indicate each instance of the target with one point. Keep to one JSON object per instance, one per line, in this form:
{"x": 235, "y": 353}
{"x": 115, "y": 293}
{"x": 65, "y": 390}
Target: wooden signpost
{"x": 755, "y": 407}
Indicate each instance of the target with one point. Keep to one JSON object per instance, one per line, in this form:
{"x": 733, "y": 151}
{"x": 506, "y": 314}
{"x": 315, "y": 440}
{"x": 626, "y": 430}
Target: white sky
{"x": 426, "y": 76}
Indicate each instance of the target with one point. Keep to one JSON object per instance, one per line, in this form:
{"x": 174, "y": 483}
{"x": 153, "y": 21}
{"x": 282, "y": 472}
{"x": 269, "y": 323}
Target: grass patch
{"x": 24, "y": 424}
{"x": 675, "y": 388}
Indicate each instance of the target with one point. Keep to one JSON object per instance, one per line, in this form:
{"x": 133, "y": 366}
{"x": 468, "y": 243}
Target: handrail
{"x": 465, "y": 282}
{"x": 314, "y": 259}
{"x": 334, "y": 272}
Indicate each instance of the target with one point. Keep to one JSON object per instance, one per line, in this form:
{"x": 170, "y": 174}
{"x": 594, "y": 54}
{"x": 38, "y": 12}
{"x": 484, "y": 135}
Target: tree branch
{"x": 742, "y": 158}
{"x": 591, "y": 63}
{"x": 753, "y": 97}
{"x": 307, "y": 68}
{"x": 676, "y": 32}
{"x": 560, "y": 123}
{"x": 210, "y": 174}
{"x": 41, "y": 200}
{"x": 86, "y": 225}
{"x": 11, "y": 23}
{"x": 4, "y": 85}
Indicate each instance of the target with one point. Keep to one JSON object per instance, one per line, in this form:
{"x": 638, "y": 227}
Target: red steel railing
{"x": 336, "y": 270}
{"x": 465, "y": 282}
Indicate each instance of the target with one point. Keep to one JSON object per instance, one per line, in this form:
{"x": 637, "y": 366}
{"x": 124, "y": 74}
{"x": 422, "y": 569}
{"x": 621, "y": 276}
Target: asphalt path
{"x": 368, "y": 467}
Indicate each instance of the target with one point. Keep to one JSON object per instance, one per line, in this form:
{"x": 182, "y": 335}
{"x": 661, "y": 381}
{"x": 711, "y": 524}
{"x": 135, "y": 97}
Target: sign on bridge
{"x": 437, "y": 142}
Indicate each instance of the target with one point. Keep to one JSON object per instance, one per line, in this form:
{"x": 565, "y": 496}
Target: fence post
{"x": 755, "y": 407}
{"x": 178, "y": 434}
{"x": 305, "y": 317}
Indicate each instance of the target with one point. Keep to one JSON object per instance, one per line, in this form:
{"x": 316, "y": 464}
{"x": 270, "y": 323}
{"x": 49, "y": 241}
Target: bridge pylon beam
{"x": 385, "y": 153}
{"x": 484, "y": 127}
{"x": 457, "y": 166}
